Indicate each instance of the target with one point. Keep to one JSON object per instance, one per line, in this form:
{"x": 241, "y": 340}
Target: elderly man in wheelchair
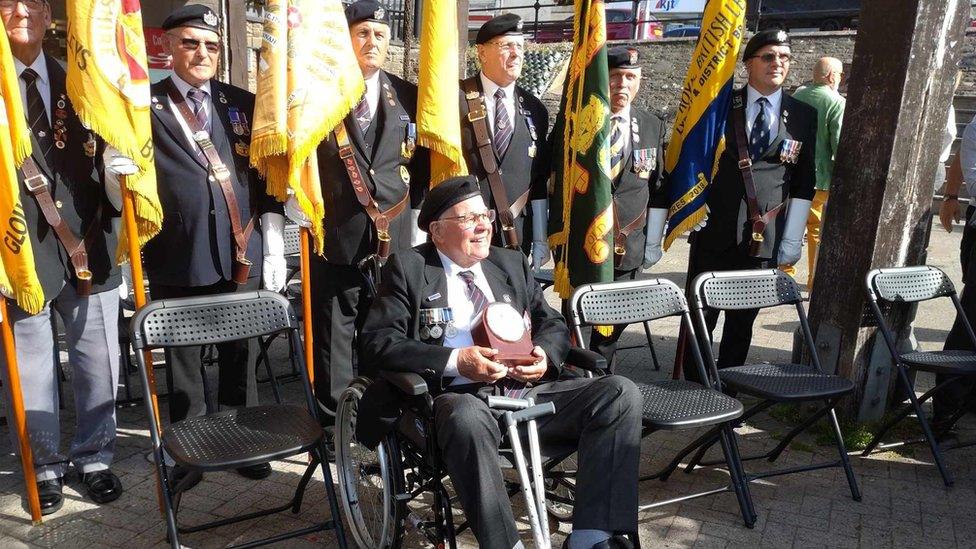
{"x": 429, "y": 376}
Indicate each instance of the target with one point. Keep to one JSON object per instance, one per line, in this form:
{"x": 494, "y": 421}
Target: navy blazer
{"x": 196, "y": 244}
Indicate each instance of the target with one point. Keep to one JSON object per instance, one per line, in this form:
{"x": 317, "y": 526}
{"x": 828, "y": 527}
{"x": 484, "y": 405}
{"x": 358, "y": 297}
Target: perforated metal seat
{"x": 242, "y": 437}
{"x": 678, "y": 404}
{"x": 942, "y": 362}
{"x": 784, "y": 382}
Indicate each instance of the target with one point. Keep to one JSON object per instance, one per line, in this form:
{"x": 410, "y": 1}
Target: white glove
{"x": 796, "y": 223}
{"x": 417, "y": 236}
{"x": 540, "y": 241}
{"x": 295, "y": 213}
{"x": 126, "y": 286}
{"x": 116, "y": 164}
{"x": 654, "y": 232}
{"x": 6, "y": 292}
{"x": 274, "y": 271}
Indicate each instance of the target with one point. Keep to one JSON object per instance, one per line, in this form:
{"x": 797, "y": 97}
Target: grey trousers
{"x": 92, "y": 337}
{"x": 600, "y": 418}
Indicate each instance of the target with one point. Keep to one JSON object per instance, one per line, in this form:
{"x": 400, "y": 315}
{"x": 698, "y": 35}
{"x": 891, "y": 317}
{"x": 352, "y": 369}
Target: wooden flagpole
{"x": 20, "y": 418}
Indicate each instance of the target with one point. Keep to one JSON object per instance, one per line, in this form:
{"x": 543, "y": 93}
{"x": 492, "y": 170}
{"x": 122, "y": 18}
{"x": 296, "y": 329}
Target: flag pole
{"x": 20, "y": 418}
{"x": 307, "y": 306}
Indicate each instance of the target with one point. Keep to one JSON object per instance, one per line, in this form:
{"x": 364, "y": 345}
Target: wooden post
{"x": 19, "y": 416}
{"x": 881, "y": 191}
{"x": 237, "y": 43}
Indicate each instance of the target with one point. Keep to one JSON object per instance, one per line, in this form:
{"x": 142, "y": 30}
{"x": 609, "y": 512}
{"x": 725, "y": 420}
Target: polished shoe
{"x": 256, "y": 472}
{"x": 102, "y": 486}
{"x": 183, "y": 476}
{"x": 50, "y": 495}
{"x": 615, "y": 542}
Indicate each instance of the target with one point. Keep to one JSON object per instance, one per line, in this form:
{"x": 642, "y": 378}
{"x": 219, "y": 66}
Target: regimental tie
{"x": 37, "y": 116}
{"x": 616, "y": 147}
{"x": 503, "y": 124}
{"x": 362, "y": 115}
{"x": 198, "y": 97}
{"x": 759, "y": 136}
{"x": 510, "y": 387}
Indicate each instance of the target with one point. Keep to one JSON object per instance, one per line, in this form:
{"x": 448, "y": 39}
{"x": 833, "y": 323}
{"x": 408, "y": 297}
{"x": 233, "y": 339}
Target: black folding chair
{"x": 669, "y": 405}
{"x": 231, "y": 439}
{"x": 780, "y": 383}
{"x": 912, "y": 285}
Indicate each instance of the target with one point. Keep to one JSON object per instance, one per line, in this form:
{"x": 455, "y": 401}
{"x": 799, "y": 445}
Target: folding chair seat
{"x": 668, "y": 404}
{"x": 908, "y": 285}
{"x": 770, "y": 383}
{"x": 231, "y": 439}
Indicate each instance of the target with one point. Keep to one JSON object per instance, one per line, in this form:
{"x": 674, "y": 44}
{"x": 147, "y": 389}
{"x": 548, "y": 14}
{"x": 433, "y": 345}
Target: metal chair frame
{"x": 293, "y": 266}
{"x": 783, "y": 292}
{"x": 660, "y": 299}
{"x": 159, "y": 325}
{"x": 924, "y": 283}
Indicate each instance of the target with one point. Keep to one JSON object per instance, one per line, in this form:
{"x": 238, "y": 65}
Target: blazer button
{"x": 58, "y": 204}
{"x": 428, "y": 372}
{"x": 213, "y": 212}
{"x": 372, "y": 172}
{"x": 210, "y": 178}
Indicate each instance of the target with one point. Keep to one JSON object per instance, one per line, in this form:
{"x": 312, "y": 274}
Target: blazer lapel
{"x": 56, "y": 76}
{"x": 164, "y": 113}
{"x": 220, "y": 121}
{"x": 781, "y": 128}
{"x": 434, "y": 294}
{"x": 389, "y": 108}
{"x": 500, "y": 285}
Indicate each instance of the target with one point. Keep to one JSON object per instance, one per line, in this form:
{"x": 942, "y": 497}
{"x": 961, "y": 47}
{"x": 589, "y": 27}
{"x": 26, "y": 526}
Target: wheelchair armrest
{"x": 408, "y": 383}
{"x": 585, "y": 359}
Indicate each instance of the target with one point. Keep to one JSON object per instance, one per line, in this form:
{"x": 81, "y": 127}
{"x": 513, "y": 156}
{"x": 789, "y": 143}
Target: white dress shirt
{"x": 43, "y": 83}
{"x": 373, "y": 93}
{"x": 462, "y": 309}
{"x": 772, "y": 113}
{"x": 183, "y": 88}
{"x": 490, "y": 87}
{"x": 624, "y": 116}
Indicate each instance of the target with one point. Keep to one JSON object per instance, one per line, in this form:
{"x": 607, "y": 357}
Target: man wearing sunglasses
{"x": 381, "y": 136}
{"x": 68, "y": 216}
{"x": 221, "y": 231}
{"x": 760, "y": 197}
{"x": 422, "y": 322}
{"x": 503, "y": 136}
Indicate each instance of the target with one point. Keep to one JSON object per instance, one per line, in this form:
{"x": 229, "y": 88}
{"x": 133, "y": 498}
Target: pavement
{"x": 904, "y": 502}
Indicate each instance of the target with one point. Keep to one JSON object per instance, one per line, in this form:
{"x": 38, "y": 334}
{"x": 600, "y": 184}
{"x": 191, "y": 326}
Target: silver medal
{"x": 450, "y": 330}
{"x": 424, "y": 332}
{"x": 436, "y": 331}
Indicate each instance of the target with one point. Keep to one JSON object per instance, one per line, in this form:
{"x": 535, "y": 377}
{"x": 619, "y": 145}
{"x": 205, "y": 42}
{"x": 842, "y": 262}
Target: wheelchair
{"x": 376, "y": 485}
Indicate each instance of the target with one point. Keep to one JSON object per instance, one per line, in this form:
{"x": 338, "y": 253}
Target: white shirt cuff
{"x": 451, "y": 370}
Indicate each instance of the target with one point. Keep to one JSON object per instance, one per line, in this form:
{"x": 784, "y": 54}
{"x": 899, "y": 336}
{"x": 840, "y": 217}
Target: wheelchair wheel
{"x": 368, "y": 480}
{"x": 560, "y": 483}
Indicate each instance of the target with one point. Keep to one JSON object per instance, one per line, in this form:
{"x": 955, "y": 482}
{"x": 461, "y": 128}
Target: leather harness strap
{"x": 507, "y": 212}
{"x": 37, "y": 185}
{"x": 220, "y": 172}
{"x": 381, "y": 219}
{"x": 621, "y": 234}
{"x": 759, "y": 220}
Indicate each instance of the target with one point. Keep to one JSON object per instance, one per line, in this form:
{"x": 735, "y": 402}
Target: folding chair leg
{"x": 927, "y": 429}
{"x": 845, "y": 460}
{"x": 650, "y": 346}
{"x": 263, "y": 357}
{"x": 331, "y": 496}
{"x": 740, "y": 484}
{"x": 904, "y": 412}
{"x": 296, "y": 506}
{"x": 774, "y": 454}
{"x": 676, "y": 462}
{"x": 169, "y": 511}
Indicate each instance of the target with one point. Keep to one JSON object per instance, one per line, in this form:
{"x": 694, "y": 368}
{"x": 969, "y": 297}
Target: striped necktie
{"x": 503, "y": 124}
{"x": 37, "y": 116}
{"x": 198, "y": 97}
{"x": 362, "y": 115}
{"x": 616, "y": 147}
{"x": 759, "y": 136}
{"x": 510, "y": 387}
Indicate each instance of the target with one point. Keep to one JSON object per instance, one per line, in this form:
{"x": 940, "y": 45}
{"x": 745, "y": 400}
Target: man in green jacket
{"x": 822, "y": 95}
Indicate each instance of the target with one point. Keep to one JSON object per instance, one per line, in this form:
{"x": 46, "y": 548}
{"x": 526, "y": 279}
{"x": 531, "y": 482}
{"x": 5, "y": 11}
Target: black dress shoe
{"x": 50, "y": 495}
{"x": 183, "y": 476}
{"x": 102, "y": 486}
{"x": 256, "y": 472}
{"x": 615, "y": 542}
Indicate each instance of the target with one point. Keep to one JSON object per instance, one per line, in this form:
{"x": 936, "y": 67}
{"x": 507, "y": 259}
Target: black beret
{"x": 622, "y": 57}
{"x": 767, "y": 37}
{"x": 366, "y": 10}
{"x": 448, "y": 193}
{"x": 506, "y": 23}
{"x": 193, "y": 15}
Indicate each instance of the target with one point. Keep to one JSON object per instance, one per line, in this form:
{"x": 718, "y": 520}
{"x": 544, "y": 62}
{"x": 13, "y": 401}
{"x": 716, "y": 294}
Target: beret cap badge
{"x": 379, "y": 13}
{"x": 210, "y": 19}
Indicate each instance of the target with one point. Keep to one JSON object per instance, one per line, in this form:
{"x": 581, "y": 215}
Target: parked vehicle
{"x": 682, "y": 31}
{"x": 620, "y": 26}
{"x": 826, "y": 15}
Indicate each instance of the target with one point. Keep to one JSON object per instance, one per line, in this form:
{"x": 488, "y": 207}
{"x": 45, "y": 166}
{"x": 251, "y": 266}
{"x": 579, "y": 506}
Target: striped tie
{"x": 510, "y": 387}
{"x": 616, "y": 148}
{"x": 37, "y": 116}
{"x": 197, "y": 97}
{"x": 759, "y": 136}
{"x": 362, "y": 115}
{"x": 503, "y": 124}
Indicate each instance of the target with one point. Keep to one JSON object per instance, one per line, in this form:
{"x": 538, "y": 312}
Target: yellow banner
{"x": 108, "y": 85}
{"x": 308, "y": 81}
{"x": 18, "y": 275}
{"x": 438, "y": 115}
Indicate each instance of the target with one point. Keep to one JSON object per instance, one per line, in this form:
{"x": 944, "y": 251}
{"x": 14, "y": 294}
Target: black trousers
{"x": 607, "y": 345}
{"x": 338, "y": 311}
{"x": 600, "y": 418}
{"x": 737, "y": 331}
{"x": 235, "y": 360}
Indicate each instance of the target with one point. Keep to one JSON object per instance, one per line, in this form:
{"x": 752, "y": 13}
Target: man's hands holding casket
{"x": 476, "y": 364}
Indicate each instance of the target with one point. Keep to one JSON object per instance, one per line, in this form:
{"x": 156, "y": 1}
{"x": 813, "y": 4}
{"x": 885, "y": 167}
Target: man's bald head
{"x": 828, "y": 71}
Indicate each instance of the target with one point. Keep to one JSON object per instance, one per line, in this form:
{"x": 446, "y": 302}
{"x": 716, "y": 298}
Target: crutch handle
{"x": 507, "y": 403}
{"x": 535, "y": 412}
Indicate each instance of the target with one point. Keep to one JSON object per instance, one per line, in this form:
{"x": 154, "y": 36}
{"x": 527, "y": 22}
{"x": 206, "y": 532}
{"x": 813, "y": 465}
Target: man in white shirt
{"x": 421, "y": 322}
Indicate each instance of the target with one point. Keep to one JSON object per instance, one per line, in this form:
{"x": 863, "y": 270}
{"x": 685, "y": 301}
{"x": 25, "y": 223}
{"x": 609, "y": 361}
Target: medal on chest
{"x": 60, "y": 123}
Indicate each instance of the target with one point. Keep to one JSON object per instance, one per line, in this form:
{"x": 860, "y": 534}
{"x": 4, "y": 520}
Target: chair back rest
{"x": 292, "y": 238}
{"x": 211, "y": 319}
{"x": 626, "y": 302}
{"x": 908, "y": 284}
{"x": 732, "y": 290}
